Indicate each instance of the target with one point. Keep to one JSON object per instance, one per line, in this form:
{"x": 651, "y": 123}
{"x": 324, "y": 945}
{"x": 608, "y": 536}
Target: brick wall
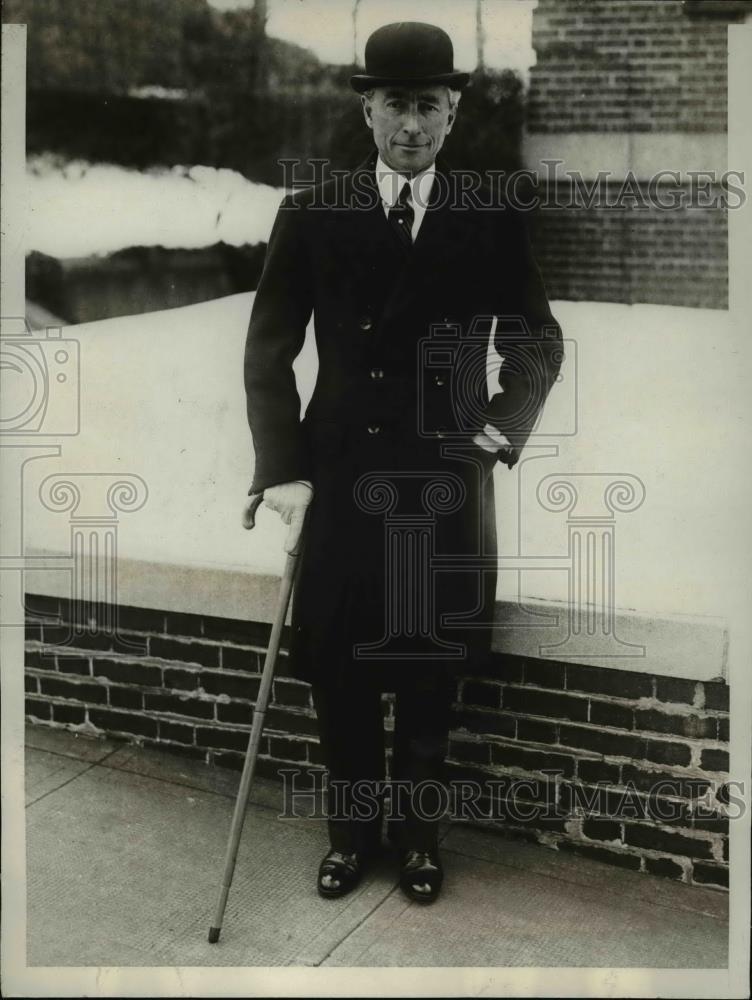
{"x": 537, "y": 737}
{"x": 602, "y": 254}
{"x": 620, "y": 66}
{"x": 626, "y": 66}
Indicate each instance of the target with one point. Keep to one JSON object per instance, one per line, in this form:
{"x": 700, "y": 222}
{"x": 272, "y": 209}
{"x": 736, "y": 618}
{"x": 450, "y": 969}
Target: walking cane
{"x": 257, "y": 726}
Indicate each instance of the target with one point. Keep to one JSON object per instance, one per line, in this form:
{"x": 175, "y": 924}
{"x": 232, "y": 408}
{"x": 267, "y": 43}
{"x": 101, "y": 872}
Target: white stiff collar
{"x": 391, "y": 182}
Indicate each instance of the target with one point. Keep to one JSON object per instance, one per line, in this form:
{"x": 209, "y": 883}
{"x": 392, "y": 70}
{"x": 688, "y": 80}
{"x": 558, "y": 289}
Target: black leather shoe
{"x": 344, "y": 871}
{"x": 421, "y": 875}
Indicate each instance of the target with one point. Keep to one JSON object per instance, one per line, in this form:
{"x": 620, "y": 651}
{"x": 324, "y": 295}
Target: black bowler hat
{"x": 409, "y": 53}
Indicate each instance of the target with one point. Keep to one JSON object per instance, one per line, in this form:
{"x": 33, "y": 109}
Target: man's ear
{"x": 366, "y": 110}
{"x": 451, "y": 120}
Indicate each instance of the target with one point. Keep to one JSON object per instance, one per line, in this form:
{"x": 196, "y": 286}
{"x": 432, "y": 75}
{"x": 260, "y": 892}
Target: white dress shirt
{"x": 390, "y": 184}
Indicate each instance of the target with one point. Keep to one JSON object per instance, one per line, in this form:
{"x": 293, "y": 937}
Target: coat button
{"x": 439, "y": 380}
{"x": 377, "y": 373}
{"x": 366, "y": 323}
{"x": 373, "y": 428}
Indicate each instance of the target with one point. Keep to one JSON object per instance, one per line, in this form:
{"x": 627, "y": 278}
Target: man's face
{"x": 409, "y": 126}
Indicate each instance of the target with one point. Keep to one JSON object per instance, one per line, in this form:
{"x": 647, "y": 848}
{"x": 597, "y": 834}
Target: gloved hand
{"x": 290, "y": 500}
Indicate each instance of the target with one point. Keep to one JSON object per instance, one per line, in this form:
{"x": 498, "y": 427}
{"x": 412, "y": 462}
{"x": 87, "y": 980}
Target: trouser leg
{"x": 421, "y": 744}
{"x": 351, "y": 734}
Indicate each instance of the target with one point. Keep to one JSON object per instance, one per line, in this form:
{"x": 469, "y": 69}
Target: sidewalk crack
{"x": 57, "y": 788}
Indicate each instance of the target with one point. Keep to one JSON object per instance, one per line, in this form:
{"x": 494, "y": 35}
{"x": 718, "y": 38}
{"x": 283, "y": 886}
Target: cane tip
{"x": 214, "y": 934}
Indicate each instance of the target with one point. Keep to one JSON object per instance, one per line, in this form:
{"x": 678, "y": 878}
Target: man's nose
{"x": 411, "y": 123}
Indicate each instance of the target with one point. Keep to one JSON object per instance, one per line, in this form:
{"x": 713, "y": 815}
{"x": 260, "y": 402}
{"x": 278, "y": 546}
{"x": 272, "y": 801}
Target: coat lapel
{"x": 366, "y": 247}
{"x": 369, "y": 253}
{"x": 442, "y": 242}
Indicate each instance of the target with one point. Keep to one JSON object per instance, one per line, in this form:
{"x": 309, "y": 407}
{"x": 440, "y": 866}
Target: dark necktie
{"x": 401, "y": 216}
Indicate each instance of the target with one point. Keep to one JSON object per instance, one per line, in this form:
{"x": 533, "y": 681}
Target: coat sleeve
{"x": 276, "y": 332}
{"x": 527, "y": 337}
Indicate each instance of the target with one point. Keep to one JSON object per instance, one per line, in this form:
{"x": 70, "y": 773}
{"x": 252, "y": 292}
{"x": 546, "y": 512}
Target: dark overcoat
{"x": 397, "y": 571}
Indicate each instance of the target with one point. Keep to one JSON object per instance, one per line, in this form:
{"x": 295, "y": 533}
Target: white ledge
{"x": 692, "y": 647}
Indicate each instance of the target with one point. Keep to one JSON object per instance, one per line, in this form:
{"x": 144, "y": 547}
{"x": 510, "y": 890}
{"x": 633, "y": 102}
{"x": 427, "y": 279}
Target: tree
{"x": 480, "y": 34}
{"x": 356, "y": 4}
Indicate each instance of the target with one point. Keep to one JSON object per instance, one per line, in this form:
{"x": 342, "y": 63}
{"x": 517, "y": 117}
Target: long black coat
{"x": 397, "y": 572}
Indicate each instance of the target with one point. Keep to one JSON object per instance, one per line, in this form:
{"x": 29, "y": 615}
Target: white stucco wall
{"x": 656, "y": 391}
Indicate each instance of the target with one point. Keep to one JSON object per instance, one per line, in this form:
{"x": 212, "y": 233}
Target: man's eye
{"x": 428, "y": 108}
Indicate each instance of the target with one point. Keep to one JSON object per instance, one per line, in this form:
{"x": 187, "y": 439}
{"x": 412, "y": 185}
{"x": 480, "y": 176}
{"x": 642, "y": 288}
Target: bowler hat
{"x": 409, "y": 53}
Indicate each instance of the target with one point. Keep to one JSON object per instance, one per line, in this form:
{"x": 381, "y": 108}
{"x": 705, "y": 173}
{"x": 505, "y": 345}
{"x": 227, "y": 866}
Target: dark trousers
{"x": 351, "y": 734}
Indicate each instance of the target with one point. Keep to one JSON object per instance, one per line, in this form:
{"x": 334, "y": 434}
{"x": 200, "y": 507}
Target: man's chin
{"x": 412, "y": 160}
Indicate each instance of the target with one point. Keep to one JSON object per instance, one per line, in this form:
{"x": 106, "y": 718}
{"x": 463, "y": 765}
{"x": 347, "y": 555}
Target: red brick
{"x": 192, "y": 707}
{"x": 64, "y": 687}
{"x": 179, "y": 623}
{"x": 292, "y": 693}
{"x": 186, "y": 652}
{"x": 136, "y": 619}
{"x": 473, "y": 751}
{"x": 544, "y": 673}
{"x": 128, "y": 672}
{"x": 478, "y": 693}
{"x": 660, "y": 782}
{"x": 675, "y": 689}
{"x": 531, "y": 760}
{"x": 693, "y": 726}
{"x": 288, "y": 720}
{"x": 643, "y": 835}
{"x": 68, "y": 713}
{"x": 249, "y": 660}
{"x": 558, "y": 706}
{"x": 125, "y": 722}
{"x": 182, "y": 679}
{"x": 601, "y": 829}
{"x": 613, "y": 744}
{"x": 177, "y": 732}
{"x": 244, "y": 686}
{"x": 711, "y": 875}
{"x": 74, "y": 665}
{"x": 225, "y": 739}
{"x": 125, "y": 697}
{"x": 622, "y": 860}
{"x": 493, "y": 723}
{"x": 664, "y": 866}
{"x": 608, "y": 713}
{"x": 288, "y": 749}
{"x": 664, "y": 752}
{"x": 602, "y": 680}
{"x": 38, "y": 708}
{"x": 594, "y": 771}
{"x": 714, "y": 760}
{"x": 536, "y": 731}
{"x": 717, "y": 696}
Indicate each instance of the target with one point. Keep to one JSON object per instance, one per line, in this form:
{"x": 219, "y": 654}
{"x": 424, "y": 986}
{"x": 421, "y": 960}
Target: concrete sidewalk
{"x": 125, "y": 849}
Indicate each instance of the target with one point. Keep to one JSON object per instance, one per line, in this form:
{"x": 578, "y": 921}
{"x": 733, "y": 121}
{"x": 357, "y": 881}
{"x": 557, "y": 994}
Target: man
{"x": 391, "y": 466}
